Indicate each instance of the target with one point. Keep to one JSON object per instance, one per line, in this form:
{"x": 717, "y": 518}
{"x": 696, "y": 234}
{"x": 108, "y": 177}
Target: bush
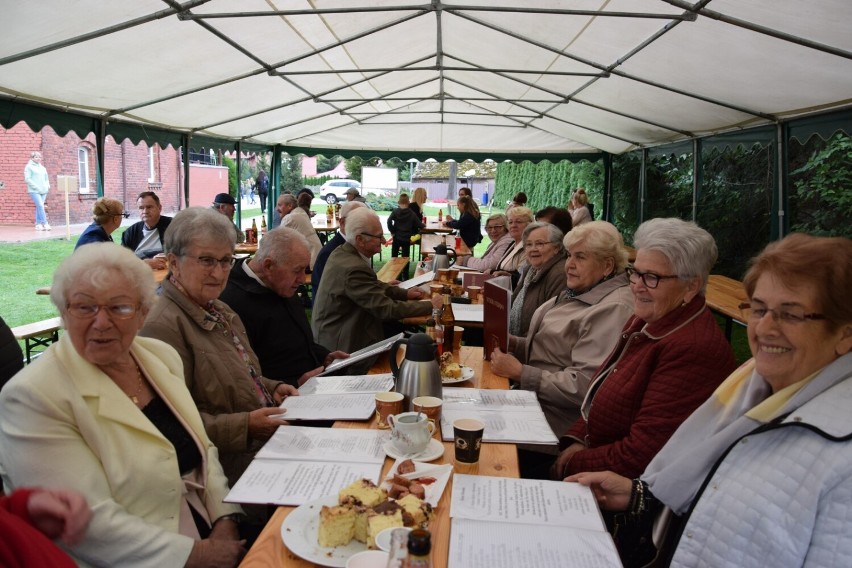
{"x": 381, "y": 202}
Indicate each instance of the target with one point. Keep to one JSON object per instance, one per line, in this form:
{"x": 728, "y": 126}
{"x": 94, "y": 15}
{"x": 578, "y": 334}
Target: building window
{"x": 83, "y": 169}
{"x": 151, "y": 173}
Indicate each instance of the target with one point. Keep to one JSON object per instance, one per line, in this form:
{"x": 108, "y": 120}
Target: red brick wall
{"x": 125, "y": 175}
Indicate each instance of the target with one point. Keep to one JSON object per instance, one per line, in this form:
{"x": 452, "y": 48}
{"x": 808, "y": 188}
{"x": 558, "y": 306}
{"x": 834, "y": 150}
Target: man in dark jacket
{"x": 261, "y": 291}
{"x": 11, "y": 356}
{"x": 145, "y": 238}
{"x": 333, "y": 243}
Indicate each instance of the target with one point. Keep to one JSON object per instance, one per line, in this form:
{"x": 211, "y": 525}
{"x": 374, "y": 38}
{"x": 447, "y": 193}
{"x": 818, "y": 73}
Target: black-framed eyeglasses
{"x": 783, "y": 315}
{"x": 649, "y": 279}
{"x": 380, "y": 237}
{"x": 208, "y": 262}
{"x": 115, "y": 311}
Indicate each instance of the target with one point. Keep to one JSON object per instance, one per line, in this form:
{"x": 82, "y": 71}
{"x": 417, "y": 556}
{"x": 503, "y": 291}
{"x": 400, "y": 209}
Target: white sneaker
{"x": 46, "y": 226}
{"x": 39, "y": 227}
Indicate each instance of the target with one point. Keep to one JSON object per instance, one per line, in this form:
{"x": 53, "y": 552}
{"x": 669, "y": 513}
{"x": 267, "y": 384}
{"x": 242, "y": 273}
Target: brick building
{"x": 129, "y": 169}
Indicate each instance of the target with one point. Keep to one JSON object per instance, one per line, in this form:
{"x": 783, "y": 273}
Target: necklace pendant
{"x": 135, "y": 399}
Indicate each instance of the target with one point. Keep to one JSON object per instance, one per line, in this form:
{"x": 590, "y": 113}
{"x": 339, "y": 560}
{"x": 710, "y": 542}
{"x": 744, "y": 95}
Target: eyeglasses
{"x": 649, "y": 279}
{"x": 115, "y": 311}
{"x": 786, "y": 315}
{"x": 536, "y": 244}
{"x": 492, "y": 227}
{"x": 208, "y": 262}
{"x": 518, "y": 222}
{"x": 380, "y": 237}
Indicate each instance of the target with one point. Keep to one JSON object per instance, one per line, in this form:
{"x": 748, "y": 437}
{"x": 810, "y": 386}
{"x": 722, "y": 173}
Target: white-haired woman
{"x": 669, "y": 358}
{"x": 542, "y": 278}
{"x": 238, "y": 404}
{"x": 107, "y": 413}
{"x": 515, "y": 256}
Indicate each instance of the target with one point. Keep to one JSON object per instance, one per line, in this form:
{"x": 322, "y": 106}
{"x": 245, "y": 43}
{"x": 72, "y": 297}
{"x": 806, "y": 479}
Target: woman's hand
{"x": 505, "y": 364}
{"x": 557, "y": 471}
{"x": 304, "y": 378}
{"x": 216, "y": 553}
{"x": 500, "y": 273}
{"x": 156, "y": 263}
{"x": 263, "y": 422}
{"x": 284, "y": 390}
{"x": 611, "y": 490}
{"x": 59, "y": 514}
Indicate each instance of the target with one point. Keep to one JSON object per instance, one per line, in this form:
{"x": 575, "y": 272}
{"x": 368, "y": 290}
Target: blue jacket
{"x": 469, "y": 229}
{"x": 94, "y": 233}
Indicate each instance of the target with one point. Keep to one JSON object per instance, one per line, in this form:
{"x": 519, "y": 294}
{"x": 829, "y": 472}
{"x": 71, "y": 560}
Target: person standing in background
{"x": 262, "y": 185}
{"x": 38, "y": 184}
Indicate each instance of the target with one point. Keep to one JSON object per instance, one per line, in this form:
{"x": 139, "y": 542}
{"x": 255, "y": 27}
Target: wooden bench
{"x": 38, "y": 334}
{"x": 392, "y": 269}
{"x": 724, "y": 296}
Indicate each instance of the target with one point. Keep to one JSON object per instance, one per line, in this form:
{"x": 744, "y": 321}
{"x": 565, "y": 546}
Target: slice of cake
{"x": 449, "y": 368}
{"x": 361, "y": 523}
{"x": 381, "y": 517}
{"x": 419, "y": 510}
{"x": 337, "y": 525}
{"x": 362, "y": 492}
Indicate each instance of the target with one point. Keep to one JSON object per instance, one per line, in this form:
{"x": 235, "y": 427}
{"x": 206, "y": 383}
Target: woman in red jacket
{"x": 670, "y": 357}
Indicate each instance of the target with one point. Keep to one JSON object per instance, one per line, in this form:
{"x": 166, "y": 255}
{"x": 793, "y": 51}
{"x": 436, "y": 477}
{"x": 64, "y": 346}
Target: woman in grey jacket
{"x": 767, "y": 456}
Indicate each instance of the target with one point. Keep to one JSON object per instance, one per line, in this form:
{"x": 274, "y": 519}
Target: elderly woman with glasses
{"x": 496, "y": 226}
{"x": 541, "y": 279}
{"x": 515, "y": 256}
{"x": 107, "y": 214}
{"x": 767, "y": 456}
{"x": 107, "y": 413}
{"x": 238, "y": 404}
{"x": 669, "y": 357}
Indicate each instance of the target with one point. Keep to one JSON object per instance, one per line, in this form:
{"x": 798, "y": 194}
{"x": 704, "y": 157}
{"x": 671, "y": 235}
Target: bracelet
{"x": 236, "y": 517}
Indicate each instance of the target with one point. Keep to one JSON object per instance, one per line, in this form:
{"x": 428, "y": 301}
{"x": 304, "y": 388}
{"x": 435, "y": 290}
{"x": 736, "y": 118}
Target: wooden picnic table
{"x": 428, "y": 242}
{"x": 392, "y": 269}
{"x": 724, "y": 296}
{"x": 321, "y": 224}
{"x": 500, "y": 460}
{"x": 434, "y": 227}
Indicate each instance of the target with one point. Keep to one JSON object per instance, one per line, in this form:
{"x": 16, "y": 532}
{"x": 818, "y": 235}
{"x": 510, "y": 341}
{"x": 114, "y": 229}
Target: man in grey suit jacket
{"x": 351, "y": 302}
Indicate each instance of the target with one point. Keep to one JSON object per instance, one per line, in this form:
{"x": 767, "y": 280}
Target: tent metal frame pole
{"x": 607, "y": 167}
{"x": 643, "y": 185}
{"x": 187, "y": 140}
{"x": 238, "y": 147}
{"x": 100, "y": 152}
{"x": 697, "y": 176}
{"x": 780, "y": 225}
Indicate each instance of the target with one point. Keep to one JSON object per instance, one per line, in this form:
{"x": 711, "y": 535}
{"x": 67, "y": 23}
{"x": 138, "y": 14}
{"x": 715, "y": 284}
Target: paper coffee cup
{"x": 387, "y": 403}
{"x": 467, "y": 434}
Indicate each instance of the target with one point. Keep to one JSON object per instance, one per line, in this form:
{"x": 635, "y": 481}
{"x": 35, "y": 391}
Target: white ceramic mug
{"x": 410, "y": 432}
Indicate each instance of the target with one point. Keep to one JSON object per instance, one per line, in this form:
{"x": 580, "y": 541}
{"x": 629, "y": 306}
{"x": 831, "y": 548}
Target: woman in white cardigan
{"x": 108, "y": 414}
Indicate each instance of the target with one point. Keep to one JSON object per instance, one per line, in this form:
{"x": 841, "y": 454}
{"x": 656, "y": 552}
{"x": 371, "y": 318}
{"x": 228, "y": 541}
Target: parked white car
{"x": 334, "y": 190}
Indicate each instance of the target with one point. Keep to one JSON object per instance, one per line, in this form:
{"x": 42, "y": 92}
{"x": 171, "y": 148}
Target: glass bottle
{"x": 254, "y": 231}
{"x": 419, "y": 549}
{"x": 440, "y": 215}
{"x": 448, "y": 319}
{"x": 438, "y": 332}
{"x": 263, "y": 225}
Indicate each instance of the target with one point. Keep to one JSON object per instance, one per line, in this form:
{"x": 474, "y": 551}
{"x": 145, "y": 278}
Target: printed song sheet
{"x": 369, "y": 351}
{"x": 468, "y": 313}
{"x": 325, "y": 444}
{"x": 358, "y": 406}
{"x": 482, "y": 544}
{"x": 283, "y": 482}
{"x": 347, "y": 384}
{"x": 417, "y": 280}
{"x": 513, "y": 416}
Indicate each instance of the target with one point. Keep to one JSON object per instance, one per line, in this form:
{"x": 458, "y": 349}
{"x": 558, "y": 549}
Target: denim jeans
{"x": 38, "y": 199}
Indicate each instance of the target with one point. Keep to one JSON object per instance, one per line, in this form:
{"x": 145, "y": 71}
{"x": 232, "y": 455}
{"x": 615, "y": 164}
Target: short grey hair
{"x": 97, "y": 264}
{"x": 347, "y": 207}
{"x": 554, "y": 235}
{"x": 197, "y": 223}
{"x": 358, "y": 222}
{"x": 498, "y": 217}
{"x": 289, "y": 199}
{"x": 603, "y": 239}
{"x": 278, "y": 243}
{"x": 689, "y": 249}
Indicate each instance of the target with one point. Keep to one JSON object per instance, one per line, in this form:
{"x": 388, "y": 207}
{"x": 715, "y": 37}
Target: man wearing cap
{"x": 145, "y": 238}
{"x": 353, "y": 194}
{"x": 336, "y": 241}
{"x": 226, "y": 205}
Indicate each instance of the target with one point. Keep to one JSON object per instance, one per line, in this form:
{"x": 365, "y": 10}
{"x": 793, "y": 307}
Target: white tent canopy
{"x": 532, "y": 76}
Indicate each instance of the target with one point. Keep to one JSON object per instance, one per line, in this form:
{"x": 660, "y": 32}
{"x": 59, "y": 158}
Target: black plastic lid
{"x": 419, "y": 542}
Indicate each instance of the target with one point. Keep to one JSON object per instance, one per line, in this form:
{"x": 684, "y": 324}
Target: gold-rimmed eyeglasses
{"x": 208, "y": 262}
{"x": 115, "y": 311}
{"x": 783, "y": 315}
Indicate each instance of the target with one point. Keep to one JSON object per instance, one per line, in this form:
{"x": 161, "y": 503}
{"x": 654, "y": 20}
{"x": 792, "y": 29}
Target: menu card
{"x": 525, "y": 523}
{"x": 300, "y": 464}
{"x": 417, "y": 280}
{"x": 347, "y": 384}
{"x": 468, "y": 313}
{"x": 497, "y": 294}
{"x": 510, "y": 416}
{"x": 369, "y": 351}
{"x": 357, "y": 406}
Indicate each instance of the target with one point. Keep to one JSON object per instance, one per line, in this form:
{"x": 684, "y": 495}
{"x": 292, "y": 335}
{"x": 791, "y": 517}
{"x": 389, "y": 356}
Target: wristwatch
{"x": 236, "y": 517}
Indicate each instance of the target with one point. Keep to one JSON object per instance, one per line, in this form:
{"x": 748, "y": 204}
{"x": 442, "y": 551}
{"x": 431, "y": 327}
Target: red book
{"x": 497, "y": 305}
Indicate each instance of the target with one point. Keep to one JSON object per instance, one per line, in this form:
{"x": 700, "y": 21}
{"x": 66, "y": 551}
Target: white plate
{"x": 441, "y": 473}
{"x": 433, "y": 451}
{"x": 383, "y": 539}
{"x": 299, "y": 532}
{"x": 467, "y": 374}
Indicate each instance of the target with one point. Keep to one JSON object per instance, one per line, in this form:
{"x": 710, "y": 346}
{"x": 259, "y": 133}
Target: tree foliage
{"x": 821, "y": 200}
{"x": 547, "y": 183}
{"x": 291, "y": 173}
{"x": 355, "y": 164}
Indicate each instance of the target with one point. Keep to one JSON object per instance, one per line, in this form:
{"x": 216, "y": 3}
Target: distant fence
{"x": 437, "y": 190}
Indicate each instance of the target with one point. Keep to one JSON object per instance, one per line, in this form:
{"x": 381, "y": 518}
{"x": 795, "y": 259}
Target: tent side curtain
{"x": 458, "y": 156}
{"x": 141, "y": 133}
{"x": 824, "y": 125}
{"x": 37, "y": 117}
